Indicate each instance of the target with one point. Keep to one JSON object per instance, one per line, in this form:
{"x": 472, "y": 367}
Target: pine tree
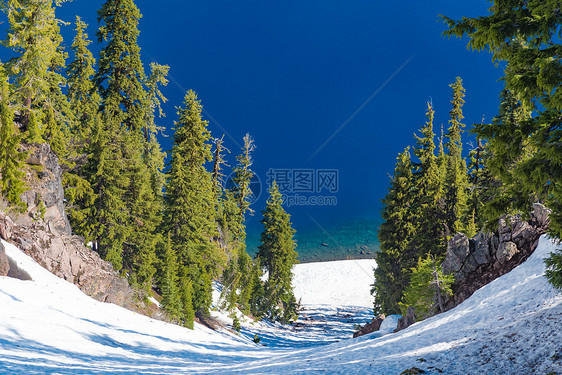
{"x": 85, "y": 100}
{"x": 456, "y": 182}
{"x": 476, "y": 180}
{"x": 34, "y": 36}
{"x": 524, "y": 34}
{"x": 218, "y": 176}
{"x": 257, "y": 294}
{"x": 428, "y": 285}
{"x": 153, "y": 154}
{"x": 427, "y": 202}
{"x": 502, "y": 183}
{"x": 190, "y": 214}
{"x": 171, "y": 298}
{"x": 127, "y": 210}
{"x": 243, "y": 176}
{"x": 391, "y": 274}
{"x": 278, "y": 256}
{"x": 238, "y": 279}
{"x": 82, "y": 92}
{"x": 11, "y": 158}
{"x": 186, "y": 296}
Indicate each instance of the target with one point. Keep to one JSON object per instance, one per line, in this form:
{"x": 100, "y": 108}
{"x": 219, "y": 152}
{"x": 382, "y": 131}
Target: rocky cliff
{"x": 44, "y": 233}
{"x": 477, "y": 261}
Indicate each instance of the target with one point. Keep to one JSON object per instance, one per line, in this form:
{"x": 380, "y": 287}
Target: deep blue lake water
{"x": 322, "y": 86}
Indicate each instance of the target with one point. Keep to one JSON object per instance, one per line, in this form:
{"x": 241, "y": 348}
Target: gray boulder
{"x": 4, "y": 263}
{"x": 541, "y": 215}
{"x": 457, "y": 252}
{"x": 481, "y": 248}
{"x": 506, "y": 251}
{"x": 407, "y": 320}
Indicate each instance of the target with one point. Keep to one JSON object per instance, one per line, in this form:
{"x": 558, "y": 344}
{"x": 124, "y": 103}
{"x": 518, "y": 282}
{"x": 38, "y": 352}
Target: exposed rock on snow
{"x": 372, "y": 326}
{"x": 50, "y": 242}
{"x": 407, "y": 320}
{"x": 477, "y": 261}
{"x": 4, "y": 263}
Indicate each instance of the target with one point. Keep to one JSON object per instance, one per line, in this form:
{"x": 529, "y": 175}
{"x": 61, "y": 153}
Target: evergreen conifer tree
{"x": 456, "y": 183}
{"x": 428, "y": 285}
{"x": 395, "y": 233}
{"x": 475, "y": 179}
{"x": 186, "y": 296}
{"x": 153, "y": 154}
{"x": 190, "y": 213}
{"x": 238, "y": 275}
{"x": 127, "y": 210}
{"x": 82, "y": 93}
{"x": 171, "y": 298}
{"x": 11, "y": 158}
{"x": 428, "y": 199}
{"x": 526, "y": 35}
{"x": 243, "y": 176}
{"x": 34, "y": 36}
{"x": 278, "y": 256}
{"x": 85, "y": 100}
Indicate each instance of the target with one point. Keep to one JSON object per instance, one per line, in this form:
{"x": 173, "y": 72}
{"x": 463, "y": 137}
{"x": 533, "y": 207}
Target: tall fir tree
{"x": 428, "y": 200}
{"x": 153, "y": 154}
{"x": 82, "y": 92}
{"x": 278, "y": 256}
{"x": 526, "y": 35}
{"x": 239, "y": 274}
{"x": 190, "y": 213}
{"x": 186, "y": 298}
{"x": 243, "y": 176}
{"x": 502, "y": 185}
{"x": 43, "y": 110}
{"x": 219, "y": 162}
{"x": 456, "y": 183}
{"x": 12, "y": 174}
{"x": 391, "y": 274}
{"x": 476, "y": 179}
{"x": 127, "y": 210}
{"x": 85, "y": 100}
{"x": 169, "y": 283}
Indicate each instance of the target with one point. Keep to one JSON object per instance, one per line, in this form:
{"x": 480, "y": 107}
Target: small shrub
{"x": 413, "y": 371}
{"x": 236, "y": 324}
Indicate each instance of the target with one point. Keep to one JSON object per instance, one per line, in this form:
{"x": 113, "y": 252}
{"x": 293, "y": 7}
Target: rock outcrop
{"x": 477, "y": 261}
{"x": 372, "y": 326}
{"x": 44, "y": 233}
{"x": 407, "y": 320}
{"x": 4, "y": 262}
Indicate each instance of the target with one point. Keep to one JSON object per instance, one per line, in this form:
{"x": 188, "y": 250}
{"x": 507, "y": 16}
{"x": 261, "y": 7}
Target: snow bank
{"x": 338, "y": 283}
{"x": 510, "y": 326}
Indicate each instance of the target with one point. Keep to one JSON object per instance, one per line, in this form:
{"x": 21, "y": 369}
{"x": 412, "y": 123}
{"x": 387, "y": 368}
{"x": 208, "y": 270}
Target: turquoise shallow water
{"x": 354, "y": 239}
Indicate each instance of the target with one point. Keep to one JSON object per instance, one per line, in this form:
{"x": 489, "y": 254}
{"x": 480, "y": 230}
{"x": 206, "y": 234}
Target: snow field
{"x": 510, "y": 326}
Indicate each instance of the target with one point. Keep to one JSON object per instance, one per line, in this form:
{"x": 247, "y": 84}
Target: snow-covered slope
{"x": 510, "y": 326}
{"x": 339, "y": 283}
